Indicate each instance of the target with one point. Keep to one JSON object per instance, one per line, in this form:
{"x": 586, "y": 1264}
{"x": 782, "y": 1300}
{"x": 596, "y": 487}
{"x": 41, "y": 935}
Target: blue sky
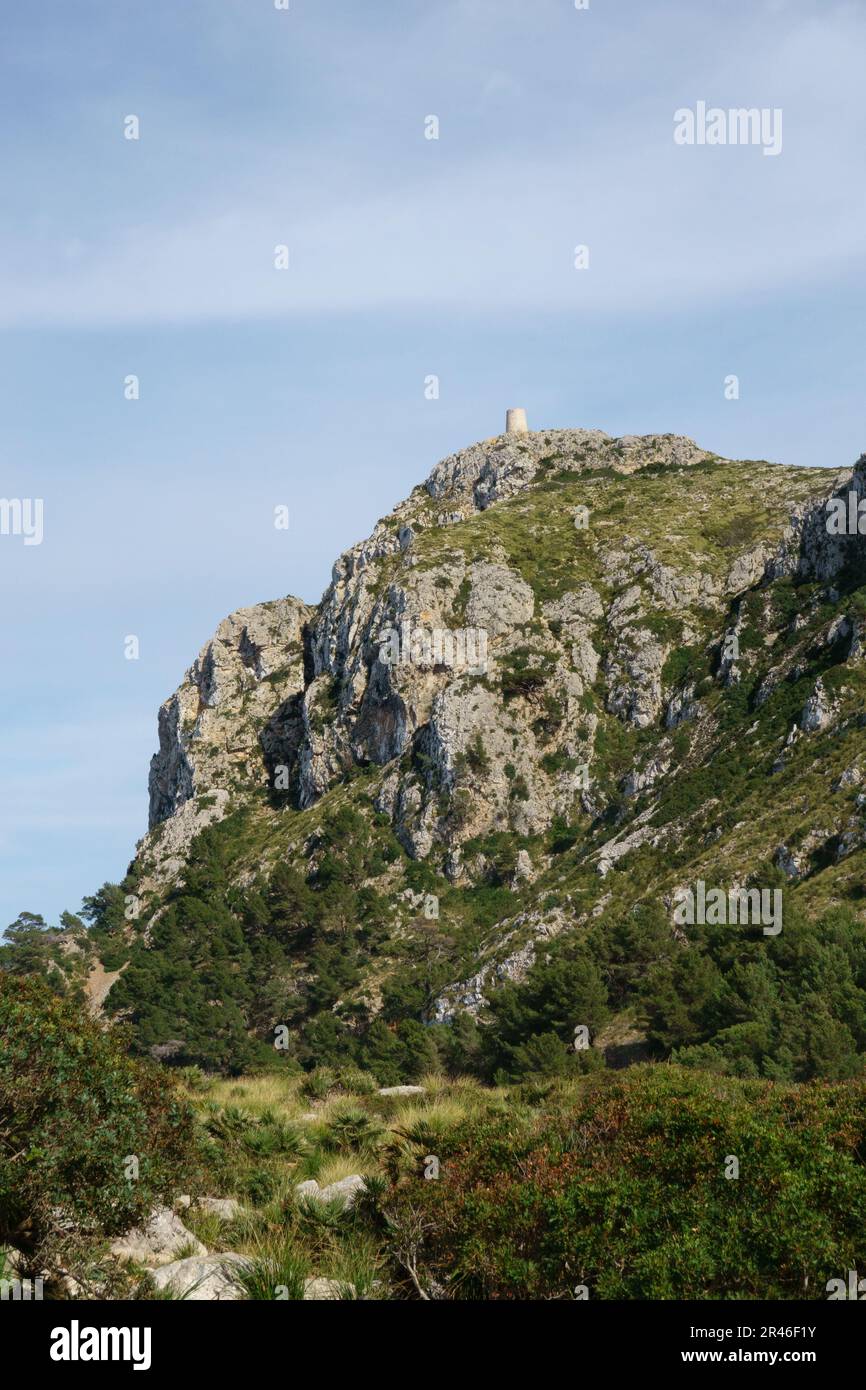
{"x": 408, "y": 257}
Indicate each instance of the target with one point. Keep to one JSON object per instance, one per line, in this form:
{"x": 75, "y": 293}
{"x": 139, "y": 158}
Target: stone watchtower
{"x": 515, "y": 422}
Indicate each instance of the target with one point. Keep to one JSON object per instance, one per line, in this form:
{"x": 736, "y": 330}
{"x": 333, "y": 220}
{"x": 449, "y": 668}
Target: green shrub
{"x": 318, "y": 1083}
{"x": 279, "y": 1272}
{"x": 260, "y": 1185}
{"x": 532, "y": 1025}
{"x": 558, "y": 762}
{"x": 620, "y": 1185}
{"x": 74, "y": 1111}
{"x": 352, "y": 1129}
{"x": 524, "y": 671}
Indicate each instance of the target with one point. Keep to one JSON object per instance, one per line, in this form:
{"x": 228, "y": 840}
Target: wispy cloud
{"x": 485, "y": 219}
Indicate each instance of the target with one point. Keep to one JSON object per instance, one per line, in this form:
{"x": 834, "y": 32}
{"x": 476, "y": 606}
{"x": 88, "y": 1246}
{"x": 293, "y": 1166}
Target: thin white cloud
{"x": 488, "y": 224}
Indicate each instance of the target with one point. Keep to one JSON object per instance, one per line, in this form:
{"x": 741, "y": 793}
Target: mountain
{"x": 570, "y": 686}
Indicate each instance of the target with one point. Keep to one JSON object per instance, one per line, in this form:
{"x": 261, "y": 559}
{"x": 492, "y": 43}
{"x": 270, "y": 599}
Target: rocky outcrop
{"x": 505, "y": 963}
{"x": 210, "y": 730}
{"x": 158, "y": 1242}
{"x": 818, "y": 711}
{"x": 500, "y": 640}
{"x": 634, "y": 676}
{"x": 445, "y": 668}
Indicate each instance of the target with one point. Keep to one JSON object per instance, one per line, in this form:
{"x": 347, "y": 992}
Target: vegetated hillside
{"x": 623, "y": 667}
{"x": 653, "y": 1183}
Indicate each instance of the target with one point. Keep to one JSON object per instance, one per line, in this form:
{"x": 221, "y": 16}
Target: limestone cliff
{"x": 535, "y": 672}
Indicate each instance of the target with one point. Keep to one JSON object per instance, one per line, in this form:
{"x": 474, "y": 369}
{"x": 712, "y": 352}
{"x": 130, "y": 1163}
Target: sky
{"x": 408, "y": 257}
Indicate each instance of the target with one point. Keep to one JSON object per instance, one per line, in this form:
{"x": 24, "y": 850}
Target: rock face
{"x": 468, "y": 715}
{"x": 533, "y": 671}
{"x": 450, "y": 670}
{"x": 817, "y": 711}
{"x": 225, "y": 722}
{"x": 469, "y": 996}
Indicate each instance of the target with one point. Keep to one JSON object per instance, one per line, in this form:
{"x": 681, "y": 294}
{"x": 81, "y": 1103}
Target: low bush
{"x": 624, "y": 1184}
{"x": 89, "y": 1138}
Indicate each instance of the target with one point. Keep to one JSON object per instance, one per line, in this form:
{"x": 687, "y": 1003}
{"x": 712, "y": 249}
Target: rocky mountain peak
{"x": 570, "y": 672}
{"x": 538, "y": 634}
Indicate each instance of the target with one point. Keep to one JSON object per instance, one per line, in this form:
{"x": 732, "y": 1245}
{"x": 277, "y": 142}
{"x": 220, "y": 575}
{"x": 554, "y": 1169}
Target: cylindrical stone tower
{"x": 515, "y": 422}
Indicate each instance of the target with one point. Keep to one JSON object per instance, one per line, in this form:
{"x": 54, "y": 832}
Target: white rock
{"x": 851, "y": 777}
{"x": 226, "y": 1208}
{"x": 211, "y": 1278}
{"x": 790, "y": 863}
{"x": 523, "y": 868}
{"x": 158, "y": 1242}
{"x": 344, "y": 1191}
{"x": 310, "y": 1188}
{"x": 327, "y": 1289}
{"x": 818, "y": 710}
{"x": 499, "y": 599}
{"x": 402, "y": 1090}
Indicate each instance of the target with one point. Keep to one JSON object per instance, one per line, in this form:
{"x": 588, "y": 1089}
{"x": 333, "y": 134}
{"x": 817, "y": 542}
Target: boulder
{"x": 344, "y": 1191}
{"x": 208, "y": 1278}
{"x": 226, "y": 1208}
{"x": 158, "y": 1242}
{"x": 321, "y": 1289}
{"x": 310, "y": 1188}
